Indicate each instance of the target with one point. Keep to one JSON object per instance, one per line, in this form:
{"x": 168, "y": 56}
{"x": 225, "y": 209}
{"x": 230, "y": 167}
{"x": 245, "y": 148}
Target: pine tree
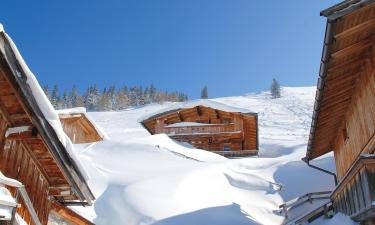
{"x": 74, "y": 97}
{"x": 92, "y": 98}
{"x": 122, "y": 100}
{"x": 55, "y": 96}
{"x": 133, "y": 92}
{"x": 275, "y": 89}
{"x": 80, "y": 102}
{"x": 104, "y": 103}
{"x": 152, "y": 93}
{"x": 204, "y": 93}
{"x": 112, "y": 96}
{"x": 65, "y": 102}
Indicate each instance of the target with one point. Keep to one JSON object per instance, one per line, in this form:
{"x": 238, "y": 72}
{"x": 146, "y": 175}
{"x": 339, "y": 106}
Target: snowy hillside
{"x": 142, "y": 179}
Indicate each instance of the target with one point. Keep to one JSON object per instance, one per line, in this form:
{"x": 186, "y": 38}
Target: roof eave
{"x": 343, "y": 8}
{"x": 328, "y": 40}
{"x": 69, "y": 168}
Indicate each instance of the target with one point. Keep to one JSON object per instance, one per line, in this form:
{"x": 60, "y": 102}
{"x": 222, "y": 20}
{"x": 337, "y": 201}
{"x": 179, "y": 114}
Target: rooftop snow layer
{"x": 191, "y": 104}
{"x": 45, "y": 105}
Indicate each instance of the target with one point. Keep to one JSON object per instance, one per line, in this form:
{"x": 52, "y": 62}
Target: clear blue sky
{"x": 233, "y": 46}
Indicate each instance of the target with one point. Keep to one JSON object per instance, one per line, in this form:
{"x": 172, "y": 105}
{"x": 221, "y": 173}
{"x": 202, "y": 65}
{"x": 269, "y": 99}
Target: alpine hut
{"x": 344, "y": 113}
{"x": 208, "y": 125}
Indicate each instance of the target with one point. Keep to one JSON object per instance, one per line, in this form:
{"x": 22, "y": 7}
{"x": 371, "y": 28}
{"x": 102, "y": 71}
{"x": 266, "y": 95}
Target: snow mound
{"x": 339, "y": 218}
{"x": 142, "y": 179}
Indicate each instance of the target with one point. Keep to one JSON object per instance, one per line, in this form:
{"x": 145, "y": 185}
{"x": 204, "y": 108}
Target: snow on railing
{"x": 21, "y": 191}
{"x": 309, "y": 197}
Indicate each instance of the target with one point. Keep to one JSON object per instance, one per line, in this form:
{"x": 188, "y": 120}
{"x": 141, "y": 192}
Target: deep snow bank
{"x": 143, "y": 179}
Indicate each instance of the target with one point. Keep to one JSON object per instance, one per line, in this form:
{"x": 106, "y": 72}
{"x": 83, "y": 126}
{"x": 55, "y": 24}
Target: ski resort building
{"x": 209, "y": 125}
{"x": 37, "y": 166}
{"x": 344, "y": 113}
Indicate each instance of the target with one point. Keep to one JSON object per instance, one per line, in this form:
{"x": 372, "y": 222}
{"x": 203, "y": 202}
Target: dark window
{"x": 345, "y": 134}
{"x": 226, "y": 148}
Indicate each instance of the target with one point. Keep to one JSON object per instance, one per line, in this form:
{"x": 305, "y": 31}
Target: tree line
{"x": 110, "y": 98}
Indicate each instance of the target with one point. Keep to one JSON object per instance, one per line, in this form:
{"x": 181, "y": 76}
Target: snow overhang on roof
{"x": 191, "y": 104}
{"x": 43, "y": 116}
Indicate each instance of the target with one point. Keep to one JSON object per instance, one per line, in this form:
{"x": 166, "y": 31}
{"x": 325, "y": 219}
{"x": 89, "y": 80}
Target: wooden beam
{"x": 18, "y": 116}
{"x": 217, "y": 114}
{"x": 353, "y": 48}
{"x": 199, "y": 111}
{"x": 21, "y": 133}
{"x": 180, "y": 116}
{"x": 4, "y": 113}
{"x": 370, "y": 24}
{"x": 69, "y": 214}
{"x": 64, "y": 190}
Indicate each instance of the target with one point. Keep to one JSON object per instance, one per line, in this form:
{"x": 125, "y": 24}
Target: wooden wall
{"x": 17, "y": 162}
{"x": 356, "y": 133}
{"x": 232, "y": 129}
{"x": 213, "y": 142}
{"x": 250, "y": 134}
{"x": 79, "y": 129}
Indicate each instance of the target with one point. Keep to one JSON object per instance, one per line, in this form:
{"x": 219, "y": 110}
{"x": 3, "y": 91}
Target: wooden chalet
{"x": 31, "y": 150}
{"x": 78, "y": 126}
{"x": 229, "y": 133}
{"x": 344, "y": 112}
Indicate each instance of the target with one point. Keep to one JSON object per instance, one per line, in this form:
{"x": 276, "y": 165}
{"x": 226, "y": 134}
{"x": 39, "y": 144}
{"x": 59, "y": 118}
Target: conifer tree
{"x": 204, "y": 93}
{"x": 65, "y": 101}
{"x": 55, "y": 96}
{"x": 122, "y": 100}
{"x": 152, "y": 93}
{"x": 74, "y": 96}
{"x": 275, "y": 89}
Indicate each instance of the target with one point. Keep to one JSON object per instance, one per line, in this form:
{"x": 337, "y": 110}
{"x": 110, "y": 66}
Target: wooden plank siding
{"x": 344, "y": 111}
{"x": 218, "y": 131}
{"x": 79, "y": 129}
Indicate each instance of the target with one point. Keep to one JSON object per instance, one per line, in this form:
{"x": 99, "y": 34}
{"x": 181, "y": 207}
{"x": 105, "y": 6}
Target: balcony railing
{"x": 355, "y": 194}
{"x": 21, "y": 192}
{"x": 209, "y": 128}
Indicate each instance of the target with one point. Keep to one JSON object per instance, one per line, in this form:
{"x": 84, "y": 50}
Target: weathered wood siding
{"x": 79, "y": 129}
{"x": 225, "y": 131}
{"x": 250, "y": 134}
{"x": 17, "y": 162}
{"x": 359, "y": 123}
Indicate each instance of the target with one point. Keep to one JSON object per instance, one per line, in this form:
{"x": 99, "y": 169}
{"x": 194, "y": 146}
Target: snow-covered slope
{"x": 143, "y": 179}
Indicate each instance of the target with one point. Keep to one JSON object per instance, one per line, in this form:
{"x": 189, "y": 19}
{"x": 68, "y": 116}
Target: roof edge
{"x": 343, "y": 8}
{"x": 18, "y": 78}
{"x": 328, "y": 40}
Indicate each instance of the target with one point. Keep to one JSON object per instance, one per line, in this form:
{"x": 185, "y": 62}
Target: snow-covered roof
{"x": 30, "y": 87}
{"x": 194, "y": 103}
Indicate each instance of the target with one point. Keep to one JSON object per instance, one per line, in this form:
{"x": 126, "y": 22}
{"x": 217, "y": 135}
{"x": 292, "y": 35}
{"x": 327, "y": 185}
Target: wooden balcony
{"x": 199, "y": 129}
{"x": 355, "y": 194}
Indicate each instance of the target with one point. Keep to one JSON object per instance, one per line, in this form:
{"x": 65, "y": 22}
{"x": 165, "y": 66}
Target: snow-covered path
{"x": 137, "y": 178}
